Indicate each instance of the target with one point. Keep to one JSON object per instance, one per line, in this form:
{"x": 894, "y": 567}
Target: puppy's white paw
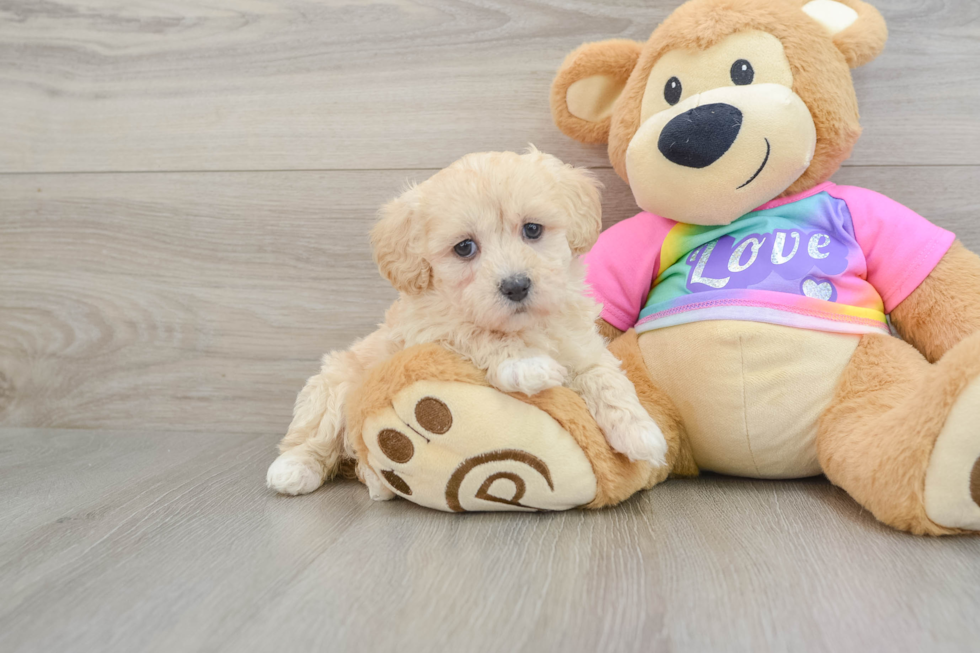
{"x": 290, "y": 474}
{"x": 375, "y": 487}
{"x": 529, "y": 375}
{"x": 638, "y": 439}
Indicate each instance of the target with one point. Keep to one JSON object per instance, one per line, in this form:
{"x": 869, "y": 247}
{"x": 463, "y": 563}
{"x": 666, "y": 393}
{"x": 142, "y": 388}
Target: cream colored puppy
{"x": 485, "y": 256}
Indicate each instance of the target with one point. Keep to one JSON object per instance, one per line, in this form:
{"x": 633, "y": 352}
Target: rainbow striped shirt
{"x": 834, "y": 258}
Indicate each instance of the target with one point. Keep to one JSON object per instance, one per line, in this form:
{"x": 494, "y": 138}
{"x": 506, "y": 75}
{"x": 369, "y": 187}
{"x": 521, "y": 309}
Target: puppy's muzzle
{"x": 515, "y": 288}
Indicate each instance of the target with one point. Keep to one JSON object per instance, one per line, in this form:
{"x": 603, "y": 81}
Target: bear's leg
{"x": 680, "y": 459}
{"x": 428, "y": 426}
{"x": 903, "y": 436}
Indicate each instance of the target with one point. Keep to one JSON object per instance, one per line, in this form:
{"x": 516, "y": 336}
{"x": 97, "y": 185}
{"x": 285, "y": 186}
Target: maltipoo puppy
{"x": 485, "y": 256}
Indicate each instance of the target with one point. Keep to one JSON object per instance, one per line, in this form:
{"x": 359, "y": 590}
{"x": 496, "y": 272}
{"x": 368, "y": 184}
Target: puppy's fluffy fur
{"x": 529, "y": 344}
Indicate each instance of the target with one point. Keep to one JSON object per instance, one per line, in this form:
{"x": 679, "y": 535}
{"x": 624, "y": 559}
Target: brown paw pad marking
{"x": 399, "y": 449}
{"x": 520, "y": 487}
{"x": 433, "y": 415}
{"x": 397, "y": 482}
{"x": 975, "y": 482}
{"x": 396, "y": 446}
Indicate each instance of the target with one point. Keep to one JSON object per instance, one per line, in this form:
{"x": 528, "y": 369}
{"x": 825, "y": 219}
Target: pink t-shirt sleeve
{"x": 622, "y": 266}
{"x": 900, "y": 246}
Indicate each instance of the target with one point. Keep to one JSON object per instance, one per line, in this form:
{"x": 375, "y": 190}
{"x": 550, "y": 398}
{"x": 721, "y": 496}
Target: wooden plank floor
{"x": 140, "y": 541}
{"x": 185, "y": 193}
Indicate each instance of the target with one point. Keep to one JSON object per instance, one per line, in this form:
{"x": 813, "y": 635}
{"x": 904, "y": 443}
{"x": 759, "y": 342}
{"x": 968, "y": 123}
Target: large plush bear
{"x": 753, "y": 303}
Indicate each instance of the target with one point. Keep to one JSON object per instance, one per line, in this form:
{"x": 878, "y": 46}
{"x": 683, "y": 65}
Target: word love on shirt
{"x": 792, "y": 254}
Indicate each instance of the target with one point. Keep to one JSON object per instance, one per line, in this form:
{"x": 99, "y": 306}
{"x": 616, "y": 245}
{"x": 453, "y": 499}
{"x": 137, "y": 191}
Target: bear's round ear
{"x": 857, "y": 28}
{"x": 587, "y": 86}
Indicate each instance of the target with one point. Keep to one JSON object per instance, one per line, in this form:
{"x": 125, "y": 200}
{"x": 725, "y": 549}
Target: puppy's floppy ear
{"x": 858, "y": 29}
{"x": 589, "y": 82}
{"x": 580, "y": 195}
{"x": 398, "y": 242}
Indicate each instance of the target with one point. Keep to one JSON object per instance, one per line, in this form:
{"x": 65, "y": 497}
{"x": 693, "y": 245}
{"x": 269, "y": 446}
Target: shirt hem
{"x": 763, "y": 312}
{"x": 767, "y": 316}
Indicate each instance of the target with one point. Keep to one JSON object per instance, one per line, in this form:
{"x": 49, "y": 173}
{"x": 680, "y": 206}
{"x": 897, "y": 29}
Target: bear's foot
{"x": 462, "y": 447}
{"x": 952, "y": 487}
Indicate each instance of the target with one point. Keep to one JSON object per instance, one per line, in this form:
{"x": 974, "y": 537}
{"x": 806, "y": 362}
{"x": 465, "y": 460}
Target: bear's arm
{"x": 945, "y": 308}
{"x": 608, "y": 331}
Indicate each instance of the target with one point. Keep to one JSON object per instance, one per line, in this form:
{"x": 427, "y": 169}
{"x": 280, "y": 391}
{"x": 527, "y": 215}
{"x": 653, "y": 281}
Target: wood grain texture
{"x": 185, "y": 309}
{"x": 172, "y": 299}
{"x": 202, "y": 301}
{"x": 258, "y": 85}
{"x": 137, "y": 541}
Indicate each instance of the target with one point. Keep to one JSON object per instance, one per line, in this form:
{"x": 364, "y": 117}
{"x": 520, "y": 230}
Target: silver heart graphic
{"x": 816, "y": 290}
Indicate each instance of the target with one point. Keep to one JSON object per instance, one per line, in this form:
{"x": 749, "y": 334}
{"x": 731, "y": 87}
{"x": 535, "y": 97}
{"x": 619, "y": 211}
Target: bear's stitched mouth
{"x": 759, "y": 171}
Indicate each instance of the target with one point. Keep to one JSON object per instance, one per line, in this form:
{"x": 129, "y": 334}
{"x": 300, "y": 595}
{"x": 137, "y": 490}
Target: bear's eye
{"x": 672, "y": 91}
{"x": 742, "y": 73}
{"x": 465, "y": 248}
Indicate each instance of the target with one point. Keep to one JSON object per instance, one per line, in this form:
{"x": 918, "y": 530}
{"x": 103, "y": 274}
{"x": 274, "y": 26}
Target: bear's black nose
{"x": 699, "y": 137}
{"x": 515, "y": 288}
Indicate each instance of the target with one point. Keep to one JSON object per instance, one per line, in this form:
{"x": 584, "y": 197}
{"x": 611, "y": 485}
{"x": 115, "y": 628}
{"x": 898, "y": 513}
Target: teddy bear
{"x": 775, "y": 324}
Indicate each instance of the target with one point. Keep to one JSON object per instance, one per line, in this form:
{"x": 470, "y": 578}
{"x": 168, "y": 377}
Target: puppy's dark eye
{"x": 533, "y": 231}
{"x": 466, "y": 248}
{"x": 742, "y": 73}
{"x": 672, "y": 91}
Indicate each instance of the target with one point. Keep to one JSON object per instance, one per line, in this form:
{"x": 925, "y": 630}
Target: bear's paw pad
{"x": 952, "y": 487}
{"x": 460, "y": 447}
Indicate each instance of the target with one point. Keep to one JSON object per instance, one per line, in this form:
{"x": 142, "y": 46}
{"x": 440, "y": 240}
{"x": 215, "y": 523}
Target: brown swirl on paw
{"x": 519, "y": 489}
{"x": 468, "y": 465}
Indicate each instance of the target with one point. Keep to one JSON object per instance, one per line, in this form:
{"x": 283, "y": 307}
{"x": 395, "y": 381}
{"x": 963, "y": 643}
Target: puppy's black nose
{"x": 699, "y": 137}
{"x": 515, "y": 288}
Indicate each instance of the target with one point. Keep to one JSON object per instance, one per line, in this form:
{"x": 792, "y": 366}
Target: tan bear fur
{"x": 876, "y": 439}
{"x": 616, "y": 59}
{"x": 386, "y": 380}
{"x": 865, "y": 39}
{"x": 608, "y": 331}
{"x": 821, "y": 72}
{"x": 943, "y": 310}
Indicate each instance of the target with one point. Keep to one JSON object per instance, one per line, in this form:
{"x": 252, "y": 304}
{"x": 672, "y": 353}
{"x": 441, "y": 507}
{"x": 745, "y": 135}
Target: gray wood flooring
{"x": 185, "y": 193}
{"x": 131, "y": 540}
